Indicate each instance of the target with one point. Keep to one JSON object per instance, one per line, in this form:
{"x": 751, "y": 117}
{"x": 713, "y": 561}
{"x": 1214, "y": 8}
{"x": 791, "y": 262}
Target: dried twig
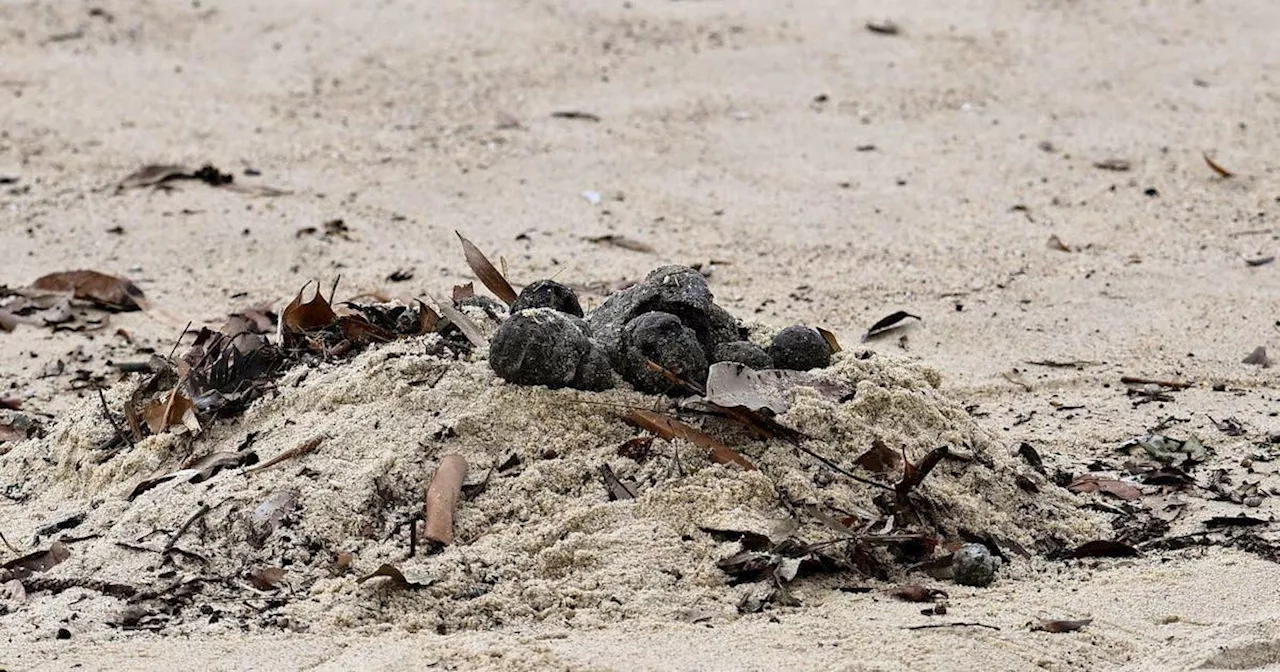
{"x": 1216, "y": 167}
{"x": 913, "y": 474}
{"x": 173, "y": 539}
{"x": 442, "y": 498}
{"x": 107, "y": 412}
{"x": 1137, "y": 380}
{"x": 297, "y": 451}
{"x": 951, "y": 625}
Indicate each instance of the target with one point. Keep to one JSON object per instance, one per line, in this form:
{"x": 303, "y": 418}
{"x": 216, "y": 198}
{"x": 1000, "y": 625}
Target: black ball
{"x": 800, "y": 348}
{"x": 548, "y": 294}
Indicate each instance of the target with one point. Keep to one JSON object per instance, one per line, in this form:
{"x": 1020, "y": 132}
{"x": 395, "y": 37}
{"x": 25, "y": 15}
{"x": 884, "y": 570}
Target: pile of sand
{"x": 538, "y": 538}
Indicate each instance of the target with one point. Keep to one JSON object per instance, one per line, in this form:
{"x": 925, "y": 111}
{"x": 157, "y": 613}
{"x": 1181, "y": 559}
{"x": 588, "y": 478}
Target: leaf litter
{"x": 534, "y": 530}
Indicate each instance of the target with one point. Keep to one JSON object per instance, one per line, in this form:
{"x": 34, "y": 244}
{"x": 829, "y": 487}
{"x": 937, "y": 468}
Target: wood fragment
{"x": 442, "y": 498}
{"x": 618, "y": 489}
{"x": 952, "y": 625}
{"x": 297, "y": 451}
{"x": 114, "y": 425}
{"x": 914, "y": 474}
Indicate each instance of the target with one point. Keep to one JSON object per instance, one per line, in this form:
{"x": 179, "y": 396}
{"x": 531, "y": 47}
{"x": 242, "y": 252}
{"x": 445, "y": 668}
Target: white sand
{"x": 387, "y": 116}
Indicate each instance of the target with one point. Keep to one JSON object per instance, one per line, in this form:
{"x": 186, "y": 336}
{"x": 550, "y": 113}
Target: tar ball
{"x": 800, "y": 349}
{"x": 973, "y": 565}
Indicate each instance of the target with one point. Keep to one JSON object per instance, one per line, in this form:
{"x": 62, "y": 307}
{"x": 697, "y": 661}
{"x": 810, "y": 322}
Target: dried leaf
{"x": 885, "y": 27}
{"x": 1234, "y": 521}
{"x": 462, "y": 322}
{"x": 466, "y": 291}
{"x": 266, "y": 578}
{"x": 397, "y": 577}
{"x": 892, "y": 321}
{"x": 176, "y": 409}
{"x": 1260, "y": 261}
{"x": 297, "y": 451}
{"x": 270, "y": 514}
{"x": 917, "y": 593}
{"x": 1103, "y": 549}
{"x": 575, "y": 114}
{"x": 1216, "y": 167}
{"x": 106, "y": 291}
{"x": 487, "y": 274}
{"x": 669, "y": 428}
{"x": 357, "y": 329}
{"x": 880, "y": 459}
{"x": 831, "y": 339}
{"x": 199, "y": 470}
{"x": 428, "y": 320}
{"x": 314, "y": 314}
{"x": 1058, "y": 627}
{"x": 622, "y": 242}
{"x": 618, "y": 489}
{"x": 732, "y": 384}
{"x": 153, "y": 174}
{"x": 1100, "y": 483}
{"x": 1258, "y": 358}
{"x": 1117, "y": 165}
{"x": 29, "y": 564}
{"x": 1055, "y": 243}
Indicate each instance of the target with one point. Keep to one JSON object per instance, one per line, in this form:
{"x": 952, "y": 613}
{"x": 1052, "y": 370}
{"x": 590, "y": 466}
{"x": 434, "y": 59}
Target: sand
{"x": 729, "y": 133}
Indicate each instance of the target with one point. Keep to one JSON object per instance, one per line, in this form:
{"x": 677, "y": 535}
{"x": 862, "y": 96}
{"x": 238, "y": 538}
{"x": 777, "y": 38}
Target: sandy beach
{"x": 1035, "y": 180}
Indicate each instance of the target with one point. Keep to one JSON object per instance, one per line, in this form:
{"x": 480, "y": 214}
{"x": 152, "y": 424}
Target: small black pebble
{"x": 64, "y": 633}
{"x": 743, "y": 352}
{"x": 800, "y": 348}
{"x": 548, "y": 294}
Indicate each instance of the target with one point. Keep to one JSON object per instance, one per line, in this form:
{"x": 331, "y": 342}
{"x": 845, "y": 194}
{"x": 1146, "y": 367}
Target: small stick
{"x": 442, "y": 498}
{"x": 297, "y": 451}
{"x": 1138, "y": 380}
{"x": 202, "y": 512}
{"x": 951, "y": 625}
{"x": 107, "y": 412}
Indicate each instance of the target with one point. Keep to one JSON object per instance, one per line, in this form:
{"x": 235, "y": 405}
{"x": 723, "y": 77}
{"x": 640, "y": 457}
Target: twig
{"x": 951, "y": 625}
{"x": 107, "y": 412}
{"x": 442, "y": 498}
{"x": 8, "y": 545}
{"x": 1138, "y": 380}
{"x": 1055, "y": 364}
{"x": 179, "y": 341}
{"x": 914, "y": 474}
{"x": 297, "y": 451}
{"x": 173, "y": 539}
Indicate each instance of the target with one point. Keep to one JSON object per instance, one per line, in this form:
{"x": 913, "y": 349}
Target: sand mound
{"x": 538, "y": 538}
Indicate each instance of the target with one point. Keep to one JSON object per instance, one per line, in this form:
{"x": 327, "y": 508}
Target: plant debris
{"x": 670, "y": 429}
{"x": 1116, "y": 165}
{"x": 892, "y": 321}
{"x": 1103, "y": 549}
{"x": 397, "y": 578}
{"x": 104, "y": 291}
{"x": 575, "y": 114}
{"x": 1216, "y": 167}
{"x": 21, "y": 568}
{"x": 161, "y": 175}
{"x": 1104, "y": 484}
{"x": 884, "y": 27}
{"x": 442, "y": 498}
{"x": 1058, "y": 627}
{"x": 621, "y": 241}
{"x": 1258, "y": 358}
{"x": 917, "y": 593}
{"x": 487, "y": 274}
{"x": 732, "y": 384}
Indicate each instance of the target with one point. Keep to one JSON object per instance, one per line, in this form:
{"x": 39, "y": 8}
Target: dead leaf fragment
{"x": 105, "y": 291}
{"x": 1216, "y": 167}
{"x": 917, "y": 593}
{"x": 831, "y": 339}
{"x": 892, "y": 321}
{"x": 622, "y": 242}
{"x": 880, "y": 459}
{"x": 1058, "y": 627}
{"x": 1105, "y": 484}
{"x": 176, "y": 410}
{"x": 1055, "y": 243}
{"x": 1103, "y": 549}
{"x": 485, "y": 271}
{"x": 397, "y": 577}
{"x": 21, "y": 568}
{"x": 1258, "y": 358}
{"x": 266, "y": 578}
{"x": 732, "y": 384}
{"x": 669, "y": 428}
{"x": 1117, "y": 165}
{"x": 314, "y": 314}
{"x": 884, "y": 27}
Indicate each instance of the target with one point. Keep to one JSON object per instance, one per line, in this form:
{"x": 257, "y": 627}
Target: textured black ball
{"x": 743, "y": 352}
{"x": 538, "y": 347}
{"x": 663, "y": 339}
{"x": 800, "y": 348}
{"x": 548, "y": 294}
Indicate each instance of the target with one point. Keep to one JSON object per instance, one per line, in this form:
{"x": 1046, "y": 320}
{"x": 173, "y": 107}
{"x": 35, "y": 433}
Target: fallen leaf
{"x": 485, "y": 271}
{"x": 1103, "y": 549}
{"x": 1100, "y": 483}
{"x": 622, "y": 242}
{"x": 1031, "y": 456}
{"x": 1216, "y": 167}
{"x": 732, "y": 384}
{"x": 575, "y": 114}
{"x": 1168, "y": 450}
{"x": 397, "y": 577}
{"x": 880, "y": 459}
{"x": 1260, "y": 261}
{"x": 29, "y": 564}
{"x": 266, "y": 578}
{"x": 461, "y": 292}
{"x": 618, "y": 488}
{"x": 1055, "y": 243}
{"x": 462, "y": 322}
{"x": 1057, "y": 627}
{"x": 1117, "y": 165}
{"x": 888, "y": 323}
{"x": 314, "y": 314}
{"x": 1234, "y": 521}
{"x": 885, "y": 27}
{"x": 106, "y": 291}
{"x": 153, "y": 174}
{"x": 1258, "y": 358}
{"x": 830, "y": 338}
{"x": 669, "y": 428}
{"x": 177, "y": 409}
{"x": 917, "y": 593}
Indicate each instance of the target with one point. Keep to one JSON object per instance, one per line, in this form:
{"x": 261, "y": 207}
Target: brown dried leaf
{"x": 266, "y": 578}
{"x": 485, "y": 271}
{"x": 153, "y": 174}
{"x": 831, "y": 339}
{"x": 892, "y": 321}
{"x": 669, "y": 428}
{"x": 397, "y": 577}
{"x": 463, "y": 323}
{"x": 176, "y": 409}
{"x": 466, "y": 291}
{"x": 1116, "y": 165}
{"x": 428, "y": 320}
{"x": 106, "y": 291}
{"x": 1100, "y": 483}
{"x": 359, "y": 330}
{"x": 1058, "y": 627}
{"x": 1055, "y": 243}
{"x": 39, "y": 561}
{"x": 880, "y": 459}
{"x": 917, "y": 593}
{"x": 314, "y": 314}
{"x": 622, "y": 242}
